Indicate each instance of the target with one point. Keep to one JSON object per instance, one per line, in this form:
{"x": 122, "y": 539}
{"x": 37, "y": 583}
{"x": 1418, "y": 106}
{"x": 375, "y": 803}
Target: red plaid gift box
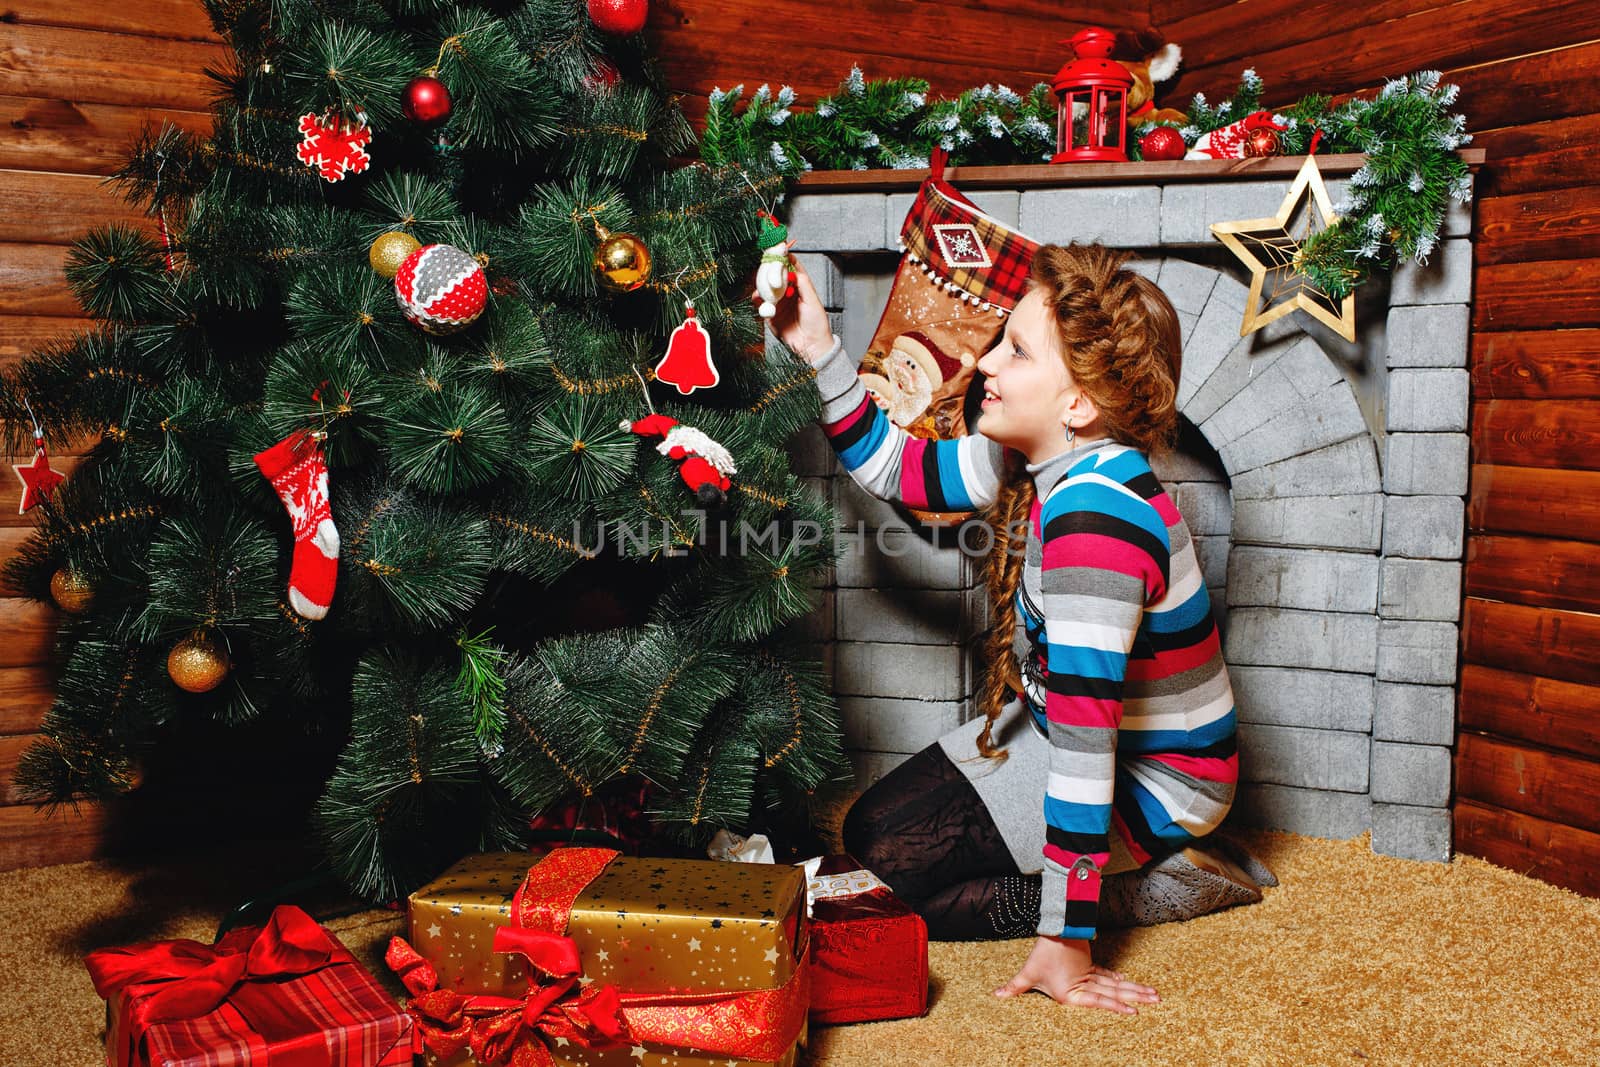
{"x": 869, "y": 950}
{"x": 286, "y": 994}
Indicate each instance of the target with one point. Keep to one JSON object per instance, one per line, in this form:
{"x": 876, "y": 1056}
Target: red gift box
{"x": 869, "y": 950}
{"x": 286, "y": 994}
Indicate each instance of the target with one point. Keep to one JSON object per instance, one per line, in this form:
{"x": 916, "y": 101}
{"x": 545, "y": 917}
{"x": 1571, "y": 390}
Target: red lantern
{"x": 1092, "y": 90}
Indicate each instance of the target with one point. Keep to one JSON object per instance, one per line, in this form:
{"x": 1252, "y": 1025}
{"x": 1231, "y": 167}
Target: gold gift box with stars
{"x": 644, "y": 925}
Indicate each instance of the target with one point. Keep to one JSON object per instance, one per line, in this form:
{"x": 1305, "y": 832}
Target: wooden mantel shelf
{"x": 1062, "y": 174}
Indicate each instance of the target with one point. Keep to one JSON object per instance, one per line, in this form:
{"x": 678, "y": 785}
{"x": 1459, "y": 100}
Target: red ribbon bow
{"x": 193, "y": 979}
{"x": 508, "y": 1030}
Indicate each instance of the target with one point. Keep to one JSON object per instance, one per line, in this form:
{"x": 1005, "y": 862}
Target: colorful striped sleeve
{"x": 1106, "y": 554}
{"x": 891, "y": 464}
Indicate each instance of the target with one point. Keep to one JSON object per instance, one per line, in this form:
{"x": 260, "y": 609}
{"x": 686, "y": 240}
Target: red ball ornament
{"x": 426, "y": 101}
{"x": 622, "y": 18}
{"x": 1262, "y": 141}
{"x": 1162, "y": 143}
{"x": 602, "y": 77}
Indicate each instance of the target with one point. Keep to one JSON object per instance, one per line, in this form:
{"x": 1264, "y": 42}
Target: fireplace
{"x": 1323, "y": 481}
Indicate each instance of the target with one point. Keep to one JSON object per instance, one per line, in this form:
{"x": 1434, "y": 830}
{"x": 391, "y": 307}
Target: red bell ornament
{"x": 1092, "y": 101}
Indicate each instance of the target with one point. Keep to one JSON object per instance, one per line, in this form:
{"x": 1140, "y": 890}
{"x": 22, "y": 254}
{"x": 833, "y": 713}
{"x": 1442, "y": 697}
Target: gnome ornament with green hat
{"x": 774, "y": 279}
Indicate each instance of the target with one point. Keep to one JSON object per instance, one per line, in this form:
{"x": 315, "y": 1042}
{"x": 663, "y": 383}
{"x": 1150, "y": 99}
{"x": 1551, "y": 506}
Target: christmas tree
{"x": 326, "y": 486}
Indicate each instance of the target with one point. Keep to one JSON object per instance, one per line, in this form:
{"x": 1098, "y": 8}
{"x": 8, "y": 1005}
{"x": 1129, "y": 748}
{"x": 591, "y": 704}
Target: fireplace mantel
{"x": 1056, "y": 176}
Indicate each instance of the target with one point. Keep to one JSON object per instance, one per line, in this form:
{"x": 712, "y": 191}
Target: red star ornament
{"x": 333, "y": 147}
{"x": 38, "y": 480}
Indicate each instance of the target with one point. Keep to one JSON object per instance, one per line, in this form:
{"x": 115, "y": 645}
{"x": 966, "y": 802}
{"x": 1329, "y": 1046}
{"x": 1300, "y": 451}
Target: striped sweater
{"x": 1118, "y": 648}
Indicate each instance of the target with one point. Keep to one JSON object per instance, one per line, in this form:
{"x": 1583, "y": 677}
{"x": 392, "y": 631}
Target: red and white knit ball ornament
{"x": 441, "y": 288}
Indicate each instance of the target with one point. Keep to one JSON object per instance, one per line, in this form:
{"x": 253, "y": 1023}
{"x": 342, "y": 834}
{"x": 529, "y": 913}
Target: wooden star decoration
{"x": 38, "y": 480}
{"x": 1269, "y": 249}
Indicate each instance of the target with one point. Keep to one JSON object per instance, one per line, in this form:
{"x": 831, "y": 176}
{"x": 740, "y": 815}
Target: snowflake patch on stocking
{"x": 333, "y": 147}
{"x": 961, "y": 245}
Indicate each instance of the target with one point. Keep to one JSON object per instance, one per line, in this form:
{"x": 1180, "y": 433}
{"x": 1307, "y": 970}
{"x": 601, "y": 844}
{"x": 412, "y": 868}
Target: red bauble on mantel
{"x": 426, "y": 101}
{"x": 621, "y": 18}
{"x": 1262, "y": 141}
{"x": 1162, "y": 143}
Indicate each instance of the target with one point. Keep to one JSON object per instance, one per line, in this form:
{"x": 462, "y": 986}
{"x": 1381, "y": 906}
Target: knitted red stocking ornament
{"x": 297, "y": 471}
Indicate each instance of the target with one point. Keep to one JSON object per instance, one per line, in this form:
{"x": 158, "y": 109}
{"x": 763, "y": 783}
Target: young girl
{"x": 1107, "y": 702}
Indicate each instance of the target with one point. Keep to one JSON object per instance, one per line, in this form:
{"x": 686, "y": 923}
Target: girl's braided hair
{"x": 1121, "y": 342}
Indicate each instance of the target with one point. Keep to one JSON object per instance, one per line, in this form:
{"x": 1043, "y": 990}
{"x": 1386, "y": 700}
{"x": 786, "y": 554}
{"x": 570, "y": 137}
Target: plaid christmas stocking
{"x": 961, "y": 273}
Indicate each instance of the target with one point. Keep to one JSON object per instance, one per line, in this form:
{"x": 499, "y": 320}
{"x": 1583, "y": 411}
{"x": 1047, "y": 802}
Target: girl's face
{"x": 1028, "y": 392}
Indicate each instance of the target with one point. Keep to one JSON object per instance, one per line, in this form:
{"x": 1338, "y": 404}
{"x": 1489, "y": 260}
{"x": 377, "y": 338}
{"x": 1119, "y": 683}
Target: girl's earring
{"x": 1071, "y": 433}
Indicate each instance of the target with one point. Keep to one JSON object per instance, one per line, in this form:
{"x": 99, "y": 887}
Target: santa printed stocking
{"x": 961, "y": 273}
{"x": 296, "y": 469}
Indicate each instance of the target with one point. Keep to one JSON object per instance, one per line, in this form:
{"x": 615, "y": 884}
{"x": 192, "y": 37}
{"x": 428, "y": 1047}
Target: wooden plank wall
{"x": 1528, "y": 755}
{"x": 78, "y": 80}
{"x": 704, "y": 44}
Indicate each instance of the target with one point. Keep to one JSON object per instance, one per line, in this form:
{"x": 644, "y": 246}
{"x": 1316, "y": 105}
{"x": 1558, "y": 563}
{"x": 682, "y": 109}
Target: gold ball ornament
{"x": 391, "y": 250}
{"x": 71, "y": 591}
{"x": 198, "y": 664}
{"x": 130, "y": 775}
{"x": 622, "y": 260}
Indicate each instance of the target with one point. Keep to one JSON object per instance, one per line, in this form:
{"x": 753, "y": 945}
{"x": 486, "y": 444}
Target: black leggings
{"x": 924, "y": 830}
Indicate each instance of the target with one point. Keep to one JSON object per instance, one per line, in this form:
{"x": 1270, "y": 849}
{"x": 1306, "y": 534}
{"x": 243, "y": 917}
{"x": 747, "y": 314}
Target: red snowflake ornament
{"x": 333, "y": 147}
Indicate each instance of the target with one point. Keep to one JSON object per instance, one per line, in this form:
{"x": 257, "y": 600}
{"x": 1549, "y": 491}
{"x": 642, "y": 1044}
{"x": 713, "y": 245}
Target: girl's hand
{"x": 1061, "y": 969}
{"x": 801, "y": 321}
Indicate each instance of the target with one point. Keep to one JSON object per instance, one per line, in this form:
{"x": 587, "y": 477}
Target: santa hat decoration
{"x": 703, "y": 463}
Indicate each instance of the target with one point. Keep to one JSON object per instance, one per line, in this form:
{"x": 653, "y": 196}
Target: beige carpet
{"x": 1355, "y": 959}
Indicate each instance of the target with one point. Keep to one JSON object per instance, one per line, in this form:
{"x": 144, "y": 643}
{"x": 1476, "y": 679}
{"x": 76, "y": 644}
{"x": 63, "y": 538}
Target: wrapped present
{"x": 618, "y": 810}
{"x": 596, "y": 959}
{"x": 286, "y": 994}
{"x": 869, "y": 950}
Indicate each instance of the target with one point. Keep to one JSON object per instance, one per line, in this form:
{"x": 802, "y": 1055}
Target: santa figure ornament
{"x": 703, "y": 464}
{"x": 441, "y": 288}
{"x": 774, "y": 279}
{"x": 687, "y": 364}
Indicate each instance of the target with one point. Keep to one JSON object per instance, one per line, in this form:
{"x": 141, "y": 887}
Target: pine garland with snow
{"x": 1394, "y": 209}
{"x": 888, "y": 123}
{"x": 1396, "y": 203}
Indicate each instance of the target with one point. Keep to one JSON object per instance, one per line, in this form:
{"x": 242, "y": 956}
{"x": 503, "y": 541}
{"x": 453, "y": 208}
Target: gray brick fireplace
{"x": 1326, "y": 501}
